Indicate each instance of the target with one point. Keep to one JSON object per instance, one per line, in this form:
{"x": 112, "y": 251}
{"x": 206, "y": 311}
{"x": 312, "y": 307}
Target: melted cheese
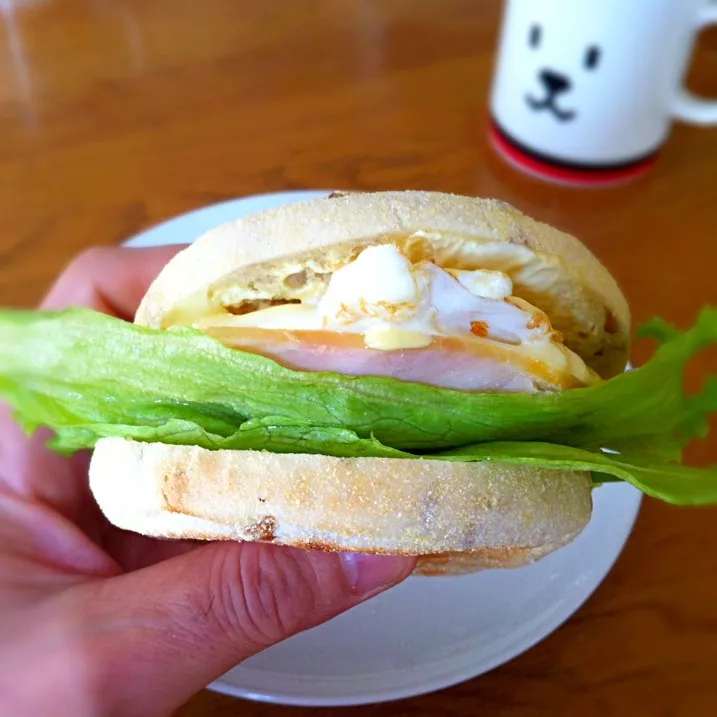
{"x": 394, "y": 339}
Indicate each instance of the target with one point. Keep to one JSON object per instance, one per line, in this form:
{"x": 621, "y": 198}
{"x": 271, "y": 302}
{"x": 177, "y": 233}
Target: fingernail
{"x": 369, "y": 574}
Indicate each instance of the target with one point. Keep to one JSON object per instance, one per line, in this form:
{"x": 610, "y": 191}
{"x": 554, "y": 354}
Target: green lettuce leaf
{"x": 671, "y": 482}
{"x": 78, "y": 367}
{"x": 87, "y": 376}
{"x": 668, "y": 481}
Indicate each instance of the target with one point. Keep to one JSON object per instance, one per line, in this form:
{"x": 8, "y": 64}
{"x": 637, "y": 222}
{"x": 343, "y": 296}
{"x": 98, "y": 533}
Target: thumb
{"x": 172, "y": 628}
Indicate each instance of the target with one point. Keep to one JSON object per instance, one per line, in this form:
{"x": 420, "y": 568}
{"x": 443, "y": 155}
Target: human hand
{"x": 98, "y": 621}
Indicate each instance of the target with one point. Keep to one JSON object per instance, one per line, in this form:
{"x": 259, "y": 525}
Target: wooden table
{"x": 116, "y": 115}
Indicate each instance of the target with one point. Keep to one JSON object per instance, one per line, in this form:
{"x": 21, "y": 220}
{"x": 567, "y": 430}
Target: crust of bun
{"x": 459, "y": 517}
{"x": 581, "y": 297}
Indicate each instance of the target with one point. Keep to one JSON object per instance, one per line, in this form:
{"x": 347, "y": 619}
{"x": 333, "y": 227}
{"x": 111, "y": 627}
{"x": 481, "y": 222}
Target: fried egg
{"x": 467, "y": 320}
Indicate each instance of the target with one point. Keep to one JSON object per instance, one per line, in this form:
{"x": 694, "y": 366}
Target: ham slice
{"x": 467, "y": 365}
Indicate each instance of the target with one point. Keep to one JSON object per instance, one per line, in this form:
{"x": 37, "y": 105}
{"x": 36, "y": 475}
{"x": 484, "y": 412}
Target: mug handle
{"x": 687, "y": 106}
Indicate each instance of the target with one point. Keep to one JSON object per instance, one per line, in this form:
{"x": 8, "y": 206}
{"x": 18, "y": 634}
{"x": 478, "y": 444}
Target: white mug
{"x": 585, "y": 90}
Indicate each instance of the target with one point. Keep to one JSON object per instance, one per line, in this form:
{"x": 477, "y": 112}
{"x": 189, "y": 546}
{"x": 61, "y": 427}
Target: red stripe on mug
{"x": 570, "y": 175}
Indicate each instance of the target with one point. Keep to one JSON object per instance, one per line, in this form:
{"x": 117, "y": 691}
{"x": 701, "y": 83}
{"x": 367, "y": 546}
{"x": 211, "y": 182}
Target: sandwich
{"x": 393, "y": 372}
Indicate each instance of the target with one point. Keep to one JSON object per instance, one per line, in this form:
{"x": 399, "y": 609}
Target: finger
{"x": 28, "y": 468}
{"x": 109, "y": 279}
{"x": 172, "y": 628}
{"x": 132, "y": 551}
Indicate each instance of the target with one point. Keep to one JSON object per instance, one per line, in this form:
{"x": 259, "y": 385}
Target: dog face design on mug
{"x": 576, "y": 79}
{"x": 556, "y": 84}
{"x": 554, "y": 65}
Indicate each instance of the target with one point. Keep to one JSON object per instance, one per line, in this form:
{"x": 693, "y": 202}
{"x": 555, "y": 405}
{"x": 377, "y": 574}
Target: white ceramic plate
{"x": 427, "y": 633}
